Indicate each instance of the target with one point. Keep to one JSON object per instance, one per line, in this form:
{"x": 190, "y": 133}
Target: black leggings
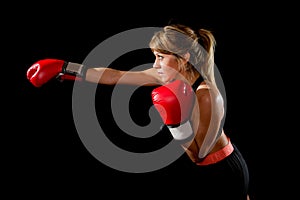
{"x": 227, "y": 179}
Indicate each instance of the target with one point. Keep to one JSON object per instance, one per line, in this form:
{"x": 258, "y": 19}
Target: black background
{"x": 45, "y": 154}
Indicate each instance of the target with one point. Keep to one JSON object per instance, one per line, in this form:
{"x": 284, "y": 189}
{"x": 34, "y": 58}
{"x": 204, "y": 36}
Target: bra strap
{"x": 197, "y": 83}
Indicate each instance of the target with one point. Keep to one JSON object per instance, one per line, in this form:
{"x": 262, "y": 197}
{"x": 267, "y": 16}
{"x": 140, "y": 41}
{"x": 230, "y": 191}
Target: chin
{"x": 165, "y": 81}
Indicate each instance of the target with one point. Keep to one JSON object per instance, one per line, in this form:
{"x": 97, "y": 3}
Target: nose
{"x": 155, "y": 64}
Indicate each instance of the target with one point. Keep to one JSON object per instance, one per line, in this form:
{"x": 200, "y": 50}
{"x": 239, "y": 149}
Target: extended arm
{"x": 44, "y": 70}
{"x": 111, "y": 76}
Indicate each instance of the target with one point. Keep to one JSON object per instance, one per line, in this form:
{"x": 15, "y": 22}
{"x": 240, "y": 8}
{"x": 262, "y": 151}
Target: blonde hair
{"x": 179, "y": 39}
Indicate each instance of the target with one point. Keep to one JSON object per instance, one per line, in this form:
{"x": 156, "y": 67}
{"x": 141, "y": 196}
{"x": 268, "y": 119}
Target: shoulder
{"x": 208, "y": 96}
{"x": 207, "y": 93}
{"x": 203, "y": 94}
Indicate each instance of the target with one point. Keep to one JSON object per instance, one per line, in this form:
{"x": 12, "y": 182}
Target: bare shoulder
{"x": 203, "y": 94}
{"x": 210, "y": 97}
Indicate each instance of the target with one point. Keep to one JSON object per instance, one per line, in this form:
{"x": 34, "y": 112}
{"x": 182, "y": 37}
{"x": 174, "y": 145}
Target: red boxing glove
{"x": 174, "y": 102}
{"x": 44, "y": 70}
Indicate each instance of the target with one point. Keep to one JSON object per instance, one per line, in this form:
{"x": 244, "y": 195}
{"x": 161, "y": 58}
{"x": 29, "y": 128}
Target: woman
{"x": 180, "y": 54}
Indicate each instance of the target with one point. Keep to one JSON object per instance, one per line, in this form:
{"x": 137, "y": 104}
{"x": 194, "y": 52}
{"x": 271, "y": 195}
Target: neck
{"x": 188, "y": 76}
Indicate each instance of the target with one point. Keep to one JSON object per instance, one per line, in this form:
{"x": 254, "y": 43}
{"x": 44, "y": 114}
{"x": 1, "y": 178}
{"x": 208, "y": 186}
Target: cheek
{"x": 170, "y": 68}
{"x": 165, "y": 69}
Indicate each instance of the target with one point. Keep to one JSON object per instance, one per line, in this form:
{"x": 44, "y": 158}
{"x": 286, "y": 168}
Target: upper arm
{"x": 145, "y": 77}
{"x": 211, "y": 112}
{"x": 204, "y": 105}
{"x": 211, "y": 109}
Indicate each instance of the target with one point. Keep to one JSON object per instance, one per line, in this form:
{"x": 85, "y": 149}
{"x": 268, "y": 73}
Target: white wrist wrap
{"x": 75, "y": 69}
{"x": 182, "y": 132}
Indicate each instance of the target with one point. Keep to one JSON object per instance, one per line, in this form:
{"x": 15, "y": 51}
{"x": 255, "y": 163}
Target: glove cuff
{"x": 182, "y": 131}
{"x": 74, "y": 69}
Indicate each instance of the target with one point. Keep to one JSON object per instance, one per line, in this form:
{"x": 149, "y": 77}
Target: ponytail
{"x": 208, "y": 42}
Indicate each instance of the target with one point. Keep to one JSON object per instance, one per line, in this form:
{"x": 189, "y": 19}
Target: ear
{"x": 187, "y": 56}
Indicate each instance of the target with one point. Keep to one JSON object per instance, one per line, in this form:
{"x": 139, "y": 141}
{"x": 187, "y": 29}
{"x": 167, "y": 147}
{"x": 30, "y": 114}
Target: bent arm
{"x": 111, "y": 76}
{"x": 211, "y": 108}
{"x": 206, "y": 119}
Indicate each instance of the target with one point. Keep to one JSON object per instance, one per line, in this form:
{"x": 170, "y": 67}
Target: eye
{"x": 160, "y": 57}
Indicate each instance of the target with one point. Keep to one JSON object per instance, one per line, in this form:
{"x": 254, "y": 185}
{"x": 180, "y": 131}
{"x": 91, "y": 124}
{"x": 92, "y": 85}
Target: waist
{"x": 218, "y": 155}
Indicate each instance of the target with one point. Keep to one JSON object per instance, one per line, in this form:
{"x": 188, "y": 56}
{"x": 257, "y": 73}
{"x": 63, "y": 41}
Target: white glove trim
{"x": 182, "y": 132}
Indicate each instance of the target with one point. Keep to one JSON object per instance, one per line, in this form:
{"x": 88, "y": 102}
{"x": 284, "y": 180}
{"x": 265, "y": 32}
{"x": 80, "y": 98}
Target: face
{"x": 166, "y": 66}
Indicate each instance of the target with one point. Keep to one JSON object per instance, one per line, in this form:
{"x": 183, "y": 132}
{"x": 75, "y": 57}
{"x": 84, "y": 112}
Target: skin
{"x": 165, "y": 69}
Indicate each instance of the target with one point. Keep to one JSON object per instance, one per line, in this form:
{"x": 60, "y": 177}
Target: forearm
{"x": 111, "y": 76}
{"x": 103, "y": 75}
